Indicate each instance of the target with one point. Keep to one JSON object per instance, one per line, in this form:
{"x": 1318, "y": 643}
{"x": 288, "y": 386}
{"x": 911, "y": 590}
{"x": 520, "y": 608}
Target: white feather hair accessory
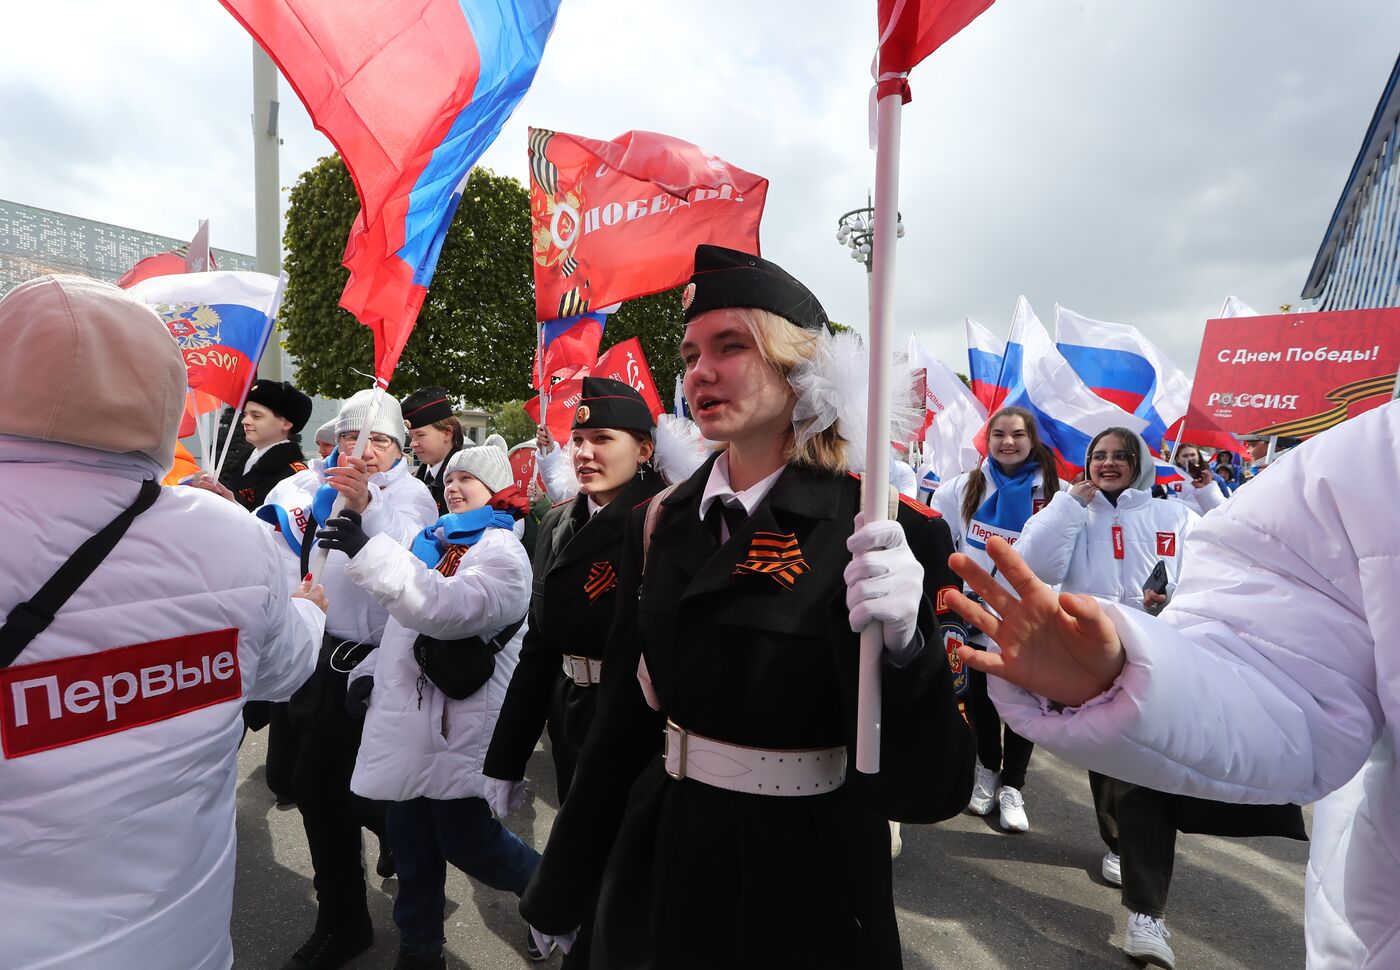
{"x": 833, "y": 388}
{"x": 679, "y": 448}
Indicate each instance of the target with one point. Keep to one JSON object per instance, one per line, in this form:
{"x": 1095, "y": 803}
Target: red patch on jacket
{"x": 56, "y": 703}
{"x": 1166, "y": 543}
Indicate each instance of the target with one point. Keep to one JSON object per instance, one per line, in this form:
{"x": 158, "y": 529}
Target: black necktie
{"x": 732, "y": 516}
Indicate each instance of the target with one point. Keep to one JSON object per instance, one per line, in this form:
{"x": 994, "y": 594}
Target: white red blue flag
{"x": 986, "y": 359}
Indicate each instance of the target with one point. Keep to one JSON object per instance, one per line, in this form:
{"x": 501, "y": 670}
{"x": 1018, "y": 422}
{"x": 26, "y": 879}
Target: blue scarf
{"x": 325, "y": 496}
{"x": 1007, "y": 509}
{"x": 458, "y": 529}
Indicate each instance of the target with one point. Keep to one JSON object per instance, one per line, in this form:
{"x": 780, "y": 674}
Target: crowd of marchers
{"x": 682, "y": 622}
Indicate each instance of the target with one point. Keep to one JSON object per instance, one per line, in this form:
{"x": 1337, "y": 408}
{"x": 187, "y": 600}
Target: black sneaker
{"x": 384, "y": 865}
{"x": 532, "y": 951}
{"x": 328, "y": 949}
{"x": 420, "y": 961}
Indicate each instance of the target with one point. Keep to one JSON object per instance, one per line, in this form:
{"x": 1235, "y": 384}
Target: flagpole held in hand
{"x": 262, "y": 349}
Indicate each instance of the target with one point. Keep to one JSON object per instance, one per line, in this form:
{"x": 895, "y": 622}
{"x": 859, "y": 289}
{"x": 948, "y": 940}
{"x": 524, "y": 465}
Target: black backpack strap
{"x": 30, "y": 618}
{"x": 308, "y": 539}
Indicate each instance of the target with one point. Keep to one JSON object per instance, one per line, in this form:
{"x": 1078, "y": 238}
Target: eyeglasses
{"x": 380, "y": 441}
{"x": 1122, "y": 456}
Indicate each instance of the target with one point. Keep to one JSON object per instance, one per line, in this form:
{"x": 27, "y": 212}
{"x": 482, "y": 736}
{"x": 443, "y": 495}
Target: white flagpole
{"x": 875, "y": 495}
{"x": 271, "y": 329}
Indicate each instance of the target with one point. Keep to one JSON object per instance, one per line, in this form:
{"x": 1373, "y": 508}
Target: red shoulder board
{"x": 298, "y": 466}
{"x": 565, "y": 501}
{"x": 918, "y": 507}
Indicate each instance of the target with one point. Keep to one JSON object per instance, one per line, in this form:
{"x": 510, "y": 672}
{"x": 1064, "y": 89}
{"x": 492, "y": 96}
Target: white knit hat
{"x": 486, "y": 463}
{"x": 87, "y": 364}
{"x": 387, "y": 420}
{"x": 325, "y": 434}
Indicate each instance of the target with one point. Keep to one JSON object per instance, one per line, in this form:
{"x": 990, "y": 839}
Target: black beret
{"x": 281, "y": 398}
{"x": 426, "y": 406}
{"x": 612, "y": 404}
{"x": 729, "y": 278}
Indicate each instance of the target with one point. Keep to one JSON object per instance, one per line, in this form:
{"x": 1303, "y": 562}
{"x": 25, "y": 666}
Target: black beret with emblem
{"x": 729, "y": 278}
{"x": 612, "y": 404}
{"x": 282, "y": 399}
{"x": 426, "y": 406}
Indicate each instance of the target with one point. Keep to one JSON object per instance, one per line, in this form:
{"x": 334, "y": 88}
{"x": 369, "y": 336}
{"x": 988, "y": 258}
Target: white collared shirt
{"x": 258, "y": 453}
{"x": 593, "y": 507}
{"x": 718, "y": 487}
{"x": 434, "y": 469}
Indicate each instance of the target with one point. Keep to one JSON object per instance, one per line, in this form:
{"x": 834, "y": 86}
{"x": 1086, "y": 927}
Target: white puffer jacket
{"x": 400, "y": 506}
{"x": 121, "y": 721}
{"x": 948, "y": 499}
{"x": 434, "y": 748}
{"x": 1198, "y": 500}
{"x": 1274, "y": 676}
{"x": 1072, "y": 545}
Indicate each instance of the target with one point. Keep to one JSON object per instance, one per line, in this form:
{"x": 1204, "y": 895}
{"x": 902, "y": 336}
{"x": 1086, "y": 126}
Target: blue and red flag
{"x": 569, "y": 344}
{"x": 410, "y": 94}
{"x": 221, "y": 322}
{"x": 986, "y": 361}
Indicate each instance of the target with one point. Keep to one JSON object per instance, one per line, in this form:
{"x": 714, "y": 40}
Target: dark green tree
{"x": 512, "y": 423}
{"x": 476, "y": 333}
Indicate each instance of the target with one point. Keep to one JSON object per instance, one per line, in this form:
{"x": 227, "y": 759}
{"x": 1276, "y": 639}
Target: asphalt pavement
{"x": 968, "y": 896}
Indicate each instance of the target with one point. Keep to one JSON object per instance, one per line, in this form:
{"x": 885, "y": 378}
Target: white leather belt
{"x": 756, "y": 771}
{"x": 585, "y": 671}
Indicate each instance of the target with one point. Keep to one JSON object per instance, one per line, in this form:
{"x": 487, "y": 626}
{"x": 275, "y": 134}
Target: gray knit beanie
{"x": 388, "y": 419}
{"x": 486, "y": 463}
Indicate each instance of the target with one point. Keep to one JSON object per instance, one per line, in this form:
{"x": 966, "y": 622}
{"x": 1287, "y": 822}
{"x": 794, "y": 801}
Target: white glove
{"x": 884, "y": 582}
{"x": 504, "y": 797}
{"x": 545, "y": 942}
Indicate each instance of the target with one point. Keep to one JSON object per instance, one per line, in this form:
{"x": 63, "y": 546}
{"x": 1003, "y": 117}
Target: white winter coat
{"x": 435, "y": 749}
{"x": 118, "y": 850}
{"x": 947, "y": 502}
{"x": 1198, "y": 500}
{"x": 400, "y": 507}
{"x": 1274, "y": 676}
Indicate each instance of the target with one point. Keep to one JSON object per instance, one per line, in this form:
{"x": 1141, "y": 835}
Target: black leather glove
{"x": 357, "y": 697}
{"x": 344, "y": 534}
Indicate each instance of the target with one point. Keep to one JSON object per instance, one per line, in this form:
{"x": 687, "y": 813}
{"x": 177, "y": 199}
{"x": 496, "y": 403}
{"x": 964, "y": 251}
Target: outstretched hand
{"x": 1061, "y": 647}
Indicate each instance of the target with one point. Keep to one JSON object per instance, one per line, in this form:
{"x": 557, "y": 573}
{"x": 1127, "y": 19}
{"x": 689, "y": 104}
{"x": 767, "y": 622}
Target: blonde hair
{"x": 784, "y": 345}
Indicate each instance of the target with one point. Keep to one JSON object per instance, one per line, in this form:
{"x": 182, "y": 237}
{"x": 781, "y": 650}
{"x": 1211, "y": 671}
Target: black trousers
{"x": 283, "y": 740}
{"x": 1139, "y": 824}
{"x": 998, "y": 747}
{"x": 332, "y": 817}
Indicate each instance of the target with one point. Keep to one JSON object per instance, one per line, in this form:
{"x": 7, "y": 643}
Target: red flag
{"x": 161, "y": 264}
{"x": 568, "y": 346}
{"x": 625, "y": 362}
{"x": 617, "y": 219}
{"x": 563, "y": 402}
{"x": 196, "y": 403}
{"x": 522, "y": 465}
{"x": 911, "y": 30}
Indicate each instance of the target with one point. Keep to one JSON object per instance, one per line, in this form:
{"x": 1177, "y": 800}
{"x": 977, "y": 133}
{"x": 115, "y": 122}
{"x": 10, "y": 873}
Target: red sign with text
{"x": 1293, "y": 375}
{"x": 60, "y": 702}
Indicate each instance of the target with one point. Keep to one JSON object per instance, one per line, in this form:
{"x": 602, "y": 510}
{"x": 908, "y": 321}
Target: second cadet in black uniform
{"x": 748, "y": 840}
{"x": 274, "y": 412}
{"x": 434, "y": 436}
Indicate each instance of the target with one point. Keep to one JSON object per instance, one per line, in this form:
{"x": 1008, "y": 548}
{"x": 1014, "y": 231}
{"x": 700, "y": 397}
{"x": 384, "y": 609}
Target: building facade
{"x": 1358, "y": 264}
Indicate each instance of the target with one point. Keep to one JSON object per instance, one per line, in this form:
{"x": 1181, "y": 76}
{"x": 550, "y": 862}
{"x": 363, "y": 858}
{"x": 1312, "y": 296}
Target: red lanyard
{"x": 1117, "y": 541}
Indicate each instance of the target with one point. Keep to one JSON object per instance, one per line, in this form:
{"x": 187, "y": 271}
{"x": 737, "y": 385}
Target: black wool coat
{"x": 278, "y": 462}
{"x": 687, "y": 875}
{"x": 435, "y": 483}
{"x": 571, "y": 610}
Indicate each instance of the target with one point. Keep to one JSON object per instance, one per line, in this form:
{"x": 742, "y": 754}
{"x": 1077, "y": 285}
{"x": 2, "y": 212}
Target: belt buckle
{"x": 681, "y": 738}
{"x": 580, "y": 663}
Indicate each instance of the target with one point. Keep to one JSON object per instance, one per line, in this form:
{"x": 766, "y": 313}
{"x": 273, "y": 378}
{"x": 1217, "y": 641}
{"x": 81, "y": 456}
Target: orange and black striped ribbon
{"x": 1343, "y": 397}
{"x": 774, "y": 554}
{"x": 601, "y": 578}
{"x": 450, "y": 560}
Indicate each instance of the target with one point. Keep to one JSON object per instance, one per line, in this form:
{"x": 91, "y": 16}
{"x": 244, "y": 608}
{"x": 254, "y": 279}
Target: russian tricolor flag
{"x": 568, "y": 344}
{"x": 986, "y": 360}
{"x": 1039, "y": 379}
{"x": 410, "y": 93}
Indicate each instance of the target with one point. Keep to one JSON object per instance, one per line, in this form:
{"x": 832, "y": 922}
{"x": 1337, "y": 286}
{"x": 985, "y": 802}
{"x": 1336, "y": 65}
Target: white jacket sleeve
{"x": 1259, "y": 683}
{"x": 1210, "y": 497}
{"x": 491, "y": 588}
{"x": 401, "y": 516}
{"x": 559, "y": 481}
{"x": 947, "y": 502}
{"x": 1048, "y": 539}
{"x": 294, "y": 628}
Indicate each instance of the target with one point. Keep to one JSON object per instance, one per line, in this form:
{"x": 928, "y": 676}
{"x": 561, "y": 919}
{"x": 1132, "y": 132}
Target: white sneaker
{"x": 1013, "y": 810}
{"x": 1146, "y": 939}
{"x": 984, "y": 791}
{"x": 896, "y": 843}
{"x": 1112, "y": 869}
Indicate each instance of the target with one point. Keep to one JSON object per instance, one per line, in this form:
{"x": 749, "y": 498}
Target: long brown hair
{"x": 1040, "y": 454}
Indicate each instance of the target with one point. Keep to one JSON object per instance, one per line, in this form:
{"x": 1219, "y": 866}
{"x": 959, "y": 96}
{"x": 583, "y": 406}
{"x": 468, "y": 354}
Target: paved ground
{"x": 969, "y": 898}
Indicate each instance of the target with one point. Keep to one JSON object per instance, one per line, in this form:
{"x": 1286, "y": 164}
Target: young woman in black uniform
{"x": 745, "y": 842}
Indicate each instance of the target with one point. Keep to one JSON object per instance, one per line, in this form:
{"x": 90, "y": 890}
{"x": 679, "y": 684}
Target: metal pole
{"x": 267, "y": 207}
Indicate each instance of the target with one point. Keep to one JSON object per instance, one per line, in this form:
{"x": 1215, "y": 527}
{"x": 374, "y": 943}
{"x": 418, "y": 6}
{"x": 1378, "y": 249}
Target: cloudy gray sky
{"x": 1135, "y": 160}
